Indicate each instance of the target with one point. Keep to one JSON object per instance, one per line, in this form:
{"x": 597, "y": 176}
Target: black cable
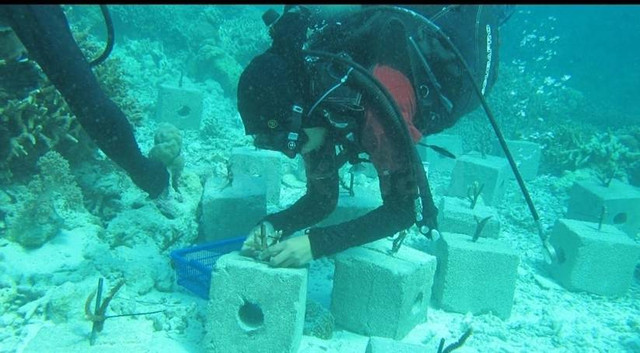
{"x": 110, "y": 37}
{"x": 551, "y": 254}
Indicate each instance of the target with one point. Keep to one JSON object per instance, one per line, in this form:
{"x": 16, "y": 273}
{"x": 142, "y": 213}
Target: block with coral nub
{"x": 477, "y": 277}
{"x": 255, "y": 308}
{"x": 597, "y": 261}
{"x": 617, "y": 204}
{"x": 378, "y": 294}
{"x": 262, "y": 163}
{"x": 489, "y": 171}
{"x": 232, "y": 209}
{"x": 180, "y": 106}
{"x": 456, "y": 216}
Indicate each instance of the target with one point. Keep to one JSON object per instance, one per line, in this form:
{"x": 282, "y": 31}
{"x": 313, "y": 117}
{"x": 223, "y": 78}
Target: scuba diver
{"x": 366, "y": 80}
{"x": 44, "y": 32}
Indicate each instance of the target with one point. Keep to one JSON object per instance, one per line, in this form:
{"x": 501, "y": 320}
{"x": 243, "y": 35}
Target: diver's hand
{"x": 251, "y": 246}
{"x": 294, "y": 252}
{"x": 151, "y": 176}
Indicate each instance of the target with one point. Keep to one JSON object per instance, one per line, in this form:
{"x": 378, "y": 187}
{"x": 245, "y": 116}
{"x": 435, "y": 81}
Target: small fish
{"x": 440, "y": 150}
{"x": 11, "y": 49}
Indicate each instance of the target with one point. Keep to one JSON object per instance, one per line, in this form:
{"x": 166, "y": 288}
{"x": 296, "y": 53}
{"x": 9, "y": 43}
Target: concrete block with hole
{"x": 621, "y": 204}
{"x": 263, "y": 163}
{"x": 456, "y": 216}
{"x": 597, "y": 261}
{"x": 351, "y": 207}
{"x": 438, "y": 162}
{"x": 255, "y": 308}
{"x": 477, "y": 277}
{"x": 179, "y": 106}
{"x": 378, "y": 294}
{"x": 489, "y": 170}
{"x": 386, "y": 345}
{"x": 526, "y": 154}
{"x": 232, "y": 210}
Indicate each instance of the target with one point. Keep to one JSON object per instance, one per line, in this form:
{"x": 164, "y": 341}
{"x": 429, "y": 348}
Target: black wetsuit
{"x": 44, "y": 31}
{"x": 399, "y": 187}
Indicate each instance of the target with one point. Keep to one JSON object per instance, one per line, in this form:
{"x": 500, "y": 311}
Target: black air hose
{"x": 110, "y": 40}
{"x": 396, "y": 125}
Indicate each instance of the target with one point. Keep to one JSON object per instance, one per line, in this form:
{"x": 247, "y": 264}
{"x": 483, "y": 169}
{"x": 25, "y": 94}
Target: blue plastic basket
{"x": 194, "y": 265}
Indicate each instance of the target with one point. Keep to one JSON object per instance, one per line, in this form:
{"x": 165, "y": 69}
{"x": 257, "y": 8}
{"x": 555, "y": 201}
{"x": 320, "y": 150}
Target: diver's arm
{"x": 395, "y": 214}
{"x": 321, "y": 197}
{"x": 44, "y": 31}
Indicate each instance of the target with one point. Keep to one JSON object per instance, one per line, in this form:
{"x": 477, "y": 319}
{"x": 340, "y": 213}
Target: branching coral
{"x": 50, "y": 196}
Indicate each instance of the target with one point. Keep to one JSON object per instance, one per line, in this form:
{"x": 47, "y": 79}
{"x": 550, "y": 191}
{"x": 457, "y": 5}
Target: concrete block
{"x": 526, "y": 154}
{"x": 232, "y": 210}
{"x": 456, "y": 216}
{"x": 255, "y": 308}
{"x": 491, "y": 171}
{"x": 179, "y": 106}
{"x": 377, "y": 294}
{"x": 351, "y": 207}
{"x": 264, "y": 163}
{"x": 621, "y": 204}
{"x": 452, "y": 143}
{"x": 597, "y": 261}
{"x": 477, "y": 277}
{"x": 386, "y": 345}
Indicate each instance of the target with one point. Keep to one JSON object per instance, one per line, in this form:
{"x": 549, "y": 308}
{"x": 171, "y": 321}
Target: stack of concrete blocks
{"x": 232, "y": 210}
{"x": 255, "y": 308}
{"x": 621, "y": 204}
{"x": 438, "y": 162}
{"x": 378, "y": 294}
{"x": 477, "y": 277}
{"x": 386, "y": 345}
{"x": 597, "y": 261}
{"x": 489, "y": 170}
{"x": 526, "y": 154}
{"x": 351, "y": 207}
{"x": 179, "y": 106}
{"x": 455, "y": 215}
{"x": 263, "y": 163}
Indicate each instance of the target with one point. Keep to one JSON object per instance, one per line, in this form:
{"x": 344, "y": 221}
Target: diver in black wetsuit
{"x": 373, "y": 81}
{"x": 44, "y": 32}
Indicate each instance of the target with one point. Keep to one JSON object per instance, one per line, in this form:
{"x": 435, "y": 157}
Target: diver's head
{"x": 271, "y": 104}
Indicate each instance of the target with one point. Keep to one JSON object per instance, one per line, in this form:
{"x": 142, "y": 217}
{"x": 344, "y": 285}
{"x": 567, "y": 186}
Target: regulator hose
{"x": 110, "y": 37}
{"x": 550, "y": 253}
{"x": 381, "y": 96}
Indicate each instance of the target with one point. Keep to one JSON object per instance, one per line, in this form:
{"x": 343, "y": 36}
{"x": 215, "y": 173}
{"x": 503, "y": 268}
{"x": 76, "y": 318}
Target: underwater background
{"x": 568, "y": 82}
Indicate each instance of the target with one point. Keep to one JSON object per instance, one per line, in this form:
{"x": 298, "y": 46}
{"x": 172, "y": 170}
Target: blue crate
{"x": 194, "y": 265}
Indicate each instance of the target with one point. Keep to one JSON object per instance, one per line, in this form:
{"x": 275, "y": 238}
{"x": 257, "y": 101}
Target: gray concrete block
{"x": 264, "y": 163}
{"x": 477, "y": 277}
{"x": 456, "y": 216}
{"x": 232, "y": 210}
{"x": 386, "y": 345}
{"x": 351, "y": 207}
{"x": 255, "y": 308}
{"x": 438, "y": 162}
{"x": 597, "y": 261}
{"x": 621, "y": 204}
{"x": 491, "y": 171}
{"x": 377, "y": 294}
{"x": 526, "y": 154}
{"x": 179, "y": 106}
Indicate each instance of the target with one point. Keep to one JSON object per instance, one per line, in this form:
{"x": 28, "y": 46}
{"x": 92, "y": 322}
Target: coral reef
{"x": 167, "y": 149}
{"x": 51, "y": 197}
{"x": 318, "y": 321}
